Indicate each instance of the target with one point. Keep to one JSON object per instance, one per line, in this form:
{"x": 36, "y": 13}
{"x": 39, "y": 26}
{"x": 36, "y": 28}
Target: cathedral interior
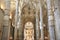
{"x": 29, "y": 19}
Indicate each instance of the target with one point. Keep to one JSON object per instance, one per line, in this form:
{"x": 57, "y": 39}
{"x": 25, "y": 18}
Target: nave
{"x": 29, "y": 19}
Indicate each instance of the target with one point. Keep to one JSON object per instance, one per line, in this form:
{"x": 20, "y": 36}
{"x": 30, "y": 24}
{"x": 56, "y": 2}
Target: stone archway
{"x": 28, "y": 15}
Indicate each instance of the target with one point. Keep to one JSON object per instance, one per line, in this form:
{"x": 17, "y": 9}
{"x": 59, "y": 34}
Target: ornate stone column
{"x": 6, "y": 27}
{"x": 20, "y": 23}
{"x": 37, "y": 21}
{"x": 37, "y": 27}
{"x": 41, "y": 21}
{"x": 57, "y": 19}
{"x": 16, "y": 19}
{"x": 51, "y": 24}
{"x": 1, "y": 22}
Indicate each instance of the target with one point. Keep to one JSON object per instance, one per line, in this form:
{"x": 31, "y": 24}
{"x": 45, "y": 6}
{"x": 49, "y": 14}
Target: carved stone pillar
{"x": 37, "y": 27}
{"x": 41, "y": 21}
{"x": 57, "y": 19}
{"x": 16, "y": 19}
{"x": 51, "y": 24}
{"x": 1, "y": 22}
{"x": 6, "y": 27}
{"x": 20, "y": 25}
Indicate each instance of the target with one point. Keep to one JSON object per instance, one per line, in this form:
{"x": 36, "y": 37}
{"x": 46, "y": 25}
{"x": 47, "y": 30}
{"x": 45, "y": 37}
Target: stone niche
{"x": 29, "y": 31}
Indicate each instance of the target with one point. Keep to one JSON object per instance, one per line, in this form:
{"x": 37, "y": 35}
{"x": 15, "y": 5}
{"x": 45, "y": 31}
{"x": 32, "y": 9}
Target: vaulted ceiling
{"x": 28, "y": 8}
